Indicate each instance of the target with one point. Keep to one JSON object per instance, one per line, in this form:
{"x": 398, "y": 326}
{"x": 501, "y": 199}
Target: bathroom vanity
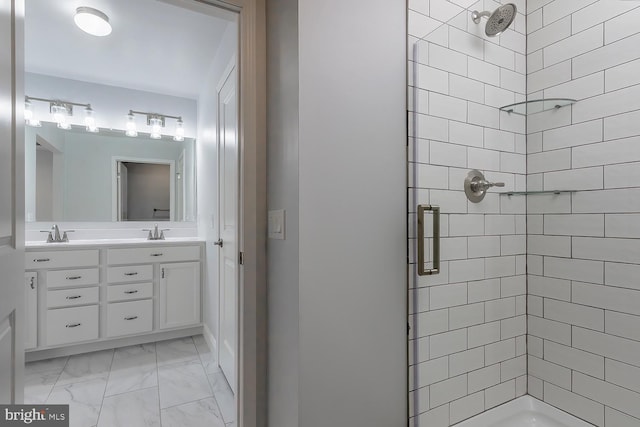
{"x": 88, "y": 295}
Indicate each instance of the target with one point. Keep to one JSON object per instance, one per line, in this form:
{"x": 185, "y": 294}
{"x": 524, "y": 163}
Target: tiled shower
{"x": 539, "y": 284}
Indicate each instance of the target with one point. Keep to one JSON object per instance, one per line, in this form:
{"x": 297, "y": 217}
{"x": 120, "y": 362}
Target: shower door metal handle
{"x": 436, "y": 240}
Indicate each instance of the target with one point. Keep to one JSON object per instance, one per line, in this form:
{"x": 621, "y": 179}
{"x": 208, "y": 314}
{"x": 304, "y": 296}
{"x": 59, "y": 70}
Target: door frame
{"x": 251, "y": 344}
{"x": 13, "y": 245}
{"x": 115, "y": 196}
{"x": 252, "y": 326}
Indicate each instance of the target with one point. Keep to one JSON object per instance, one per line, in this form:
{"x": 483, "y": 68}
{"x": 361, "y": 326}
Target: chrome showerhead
{"x": 498, "y": 21}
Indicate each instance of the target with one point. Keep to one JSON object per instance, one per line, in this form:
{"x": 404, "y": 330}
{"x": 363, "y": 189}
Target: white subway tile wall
{"x": 468, "y": 323}
{"x": 537, "y": 294}
{"x": 584, "y": 264}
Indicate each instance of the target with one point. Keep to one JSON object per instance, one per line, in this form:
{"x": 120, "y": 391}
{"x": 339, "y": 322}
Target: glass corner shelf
{"x": 537, "y": 105}
{"x": 530, "y": 193}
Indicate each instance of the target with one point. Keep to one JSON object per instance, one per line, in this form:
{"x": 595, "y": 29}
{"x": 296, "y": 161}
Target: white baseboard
{"x": 71, "y": 349}
{"x": 211, "y": 340}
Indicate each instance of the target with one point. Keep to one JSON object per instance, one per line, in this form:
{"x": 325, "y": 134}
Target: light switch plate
{"x": 276, "y": 224}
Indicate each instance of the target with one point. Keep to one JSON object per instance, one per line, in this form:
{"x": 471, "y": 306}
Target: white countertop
{"x": 41, "y": 244}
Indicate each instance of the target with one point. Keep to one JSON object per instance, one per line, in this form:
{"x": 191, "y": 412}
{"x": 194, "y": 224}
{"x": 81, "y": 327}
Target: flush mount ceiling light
{"x": 92, "y": 21}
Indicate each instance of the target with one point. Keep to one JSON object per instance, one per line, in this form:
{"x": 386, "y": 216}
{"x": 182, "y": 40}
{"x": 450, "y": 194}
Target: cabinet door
{"x": 31, "y": 310}
{"x": 179, "y": 294}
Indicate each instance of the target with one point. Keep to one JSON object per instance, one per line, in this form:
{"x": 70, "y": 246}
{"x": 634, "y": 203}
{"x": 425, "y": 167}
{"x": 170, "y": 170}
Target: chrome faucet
{"x": 156, "y": 234}
{"x": 54, "y": 235}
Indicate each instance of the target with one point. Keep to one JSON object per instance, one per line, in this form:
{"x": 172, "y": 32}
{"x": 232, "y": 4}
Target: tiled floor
{"x": 163, "y": 384}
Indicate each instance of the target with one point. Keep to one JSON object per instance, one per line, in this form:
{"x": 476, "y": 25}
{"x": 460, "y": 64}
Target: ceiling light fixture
{"x": 92, "y": 21}
{"x": 157, "y": 122}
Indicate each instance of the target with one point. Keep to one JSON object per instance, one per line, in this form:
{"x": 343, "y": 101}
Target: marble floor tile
{"x": 84, "y": 400}
{"x": 38, "y": 385}
{"x": 134, "y": 409}
{"x": 203, "y": 413}
{"x": 176, "y": 351}
{"x": 133, "y": 368}
{"x": 208, "y": 359}
{"x": 182, "y": 383}
{"x": 47, "y": 365}
{"x": 224, "y": 396}
{"x": 88, "y": 366}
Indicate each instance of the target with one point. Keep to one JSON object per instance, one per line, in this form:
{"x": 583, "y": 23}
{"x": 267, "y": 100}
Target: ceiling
{"x": 155, "y": 46}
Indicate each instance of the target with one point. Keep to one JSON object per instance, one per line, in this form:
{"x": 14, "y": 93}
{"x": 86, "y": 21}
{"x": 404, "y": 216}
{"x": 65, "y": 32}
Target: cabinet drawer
{"x": 61, "y": 259}
{"x": 134, "y": 273}
{"x": 71, "y": 297}
{"x": 81, "y": 277}
{"x": 68, "y": 325}
{"x": 127, "y": 292}
{"x": 126, "y": 318}
{"x": 153, "y": 254}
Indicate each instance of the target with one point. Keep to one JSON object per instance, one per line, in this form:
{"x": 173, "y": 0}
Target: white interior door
{"x": 12, "y": 290}
{"x": 180, "y": 193}
{"x": 123, "y": 183}
{"x": 228, "y": 226}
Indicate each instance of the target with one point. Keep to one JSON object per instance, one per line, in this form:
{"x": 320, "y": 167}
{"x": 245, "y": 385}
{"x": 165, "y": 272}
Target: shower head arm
{"x": 475, "y": 15}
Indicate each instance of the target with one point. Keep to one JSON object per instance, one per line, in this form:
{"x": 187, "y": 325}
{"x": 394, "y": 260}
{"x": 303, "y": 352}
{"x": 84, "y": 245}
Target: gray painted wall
{"x": 283, "y": 260}
{"x": 348, "y": 186}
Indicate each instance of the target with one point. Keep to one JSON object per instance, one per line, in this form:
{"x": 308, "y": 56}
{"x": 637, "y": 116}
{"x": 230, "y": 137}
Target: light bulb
{"x": 28, "y": 111}
{"x": 35, "y": 123}
{"x": 29, "y": 118}
{"x": 156, "y": 127}
{"x": 179, "y": 136}
{"x": 59, "y": 113}
{"x": 131, "y": 126}
{"x": 90, "y": 120}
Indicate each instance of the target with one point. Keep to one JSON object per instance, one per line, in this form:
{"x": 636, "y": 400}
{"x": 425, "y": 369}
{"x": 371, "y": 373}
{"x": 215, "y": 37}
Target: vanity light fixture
{"x": 92, "y": 21}
{"x": 156, "y": 121}
{"x": 60, "y": 112}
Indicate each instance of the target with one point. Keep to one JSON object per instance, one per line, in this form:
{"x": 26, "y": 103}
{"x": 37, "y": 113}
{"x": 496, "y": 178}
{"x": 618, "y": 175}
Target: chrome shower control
{"x": 475, "y": 186}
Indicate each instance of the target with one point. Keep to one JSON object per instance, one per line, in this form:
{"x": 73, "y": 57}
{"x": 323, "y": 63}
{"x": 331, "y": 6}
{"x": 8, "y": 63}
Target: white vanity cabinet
{"x": 67, "y": 297}
{"x": 104, "y": 292}
{"x": 179, "y": 295}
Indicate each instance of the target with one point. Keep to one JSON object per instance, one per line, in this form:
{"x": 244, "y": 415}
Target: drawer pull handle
{"x": 158, "y": 254}
{"x": 73, "y": 325}
{"x": 131, "y": 292}
{"x": 74, "y": 297}
{"x": 42, "y": 260}
{"x": 74, "y": 277}
{"x": 135, "y": 273}
{"x": 131, "y": 318}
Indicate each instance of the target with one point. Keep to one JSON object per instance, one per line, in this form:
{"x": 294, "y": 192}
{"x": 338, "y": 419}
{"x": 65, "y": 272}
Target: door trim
{"x": 252, "y": 235}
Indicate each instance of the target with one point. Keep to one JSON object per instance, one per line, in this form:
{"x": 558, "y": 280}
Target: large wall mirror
{"x": 74, "y": 175}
